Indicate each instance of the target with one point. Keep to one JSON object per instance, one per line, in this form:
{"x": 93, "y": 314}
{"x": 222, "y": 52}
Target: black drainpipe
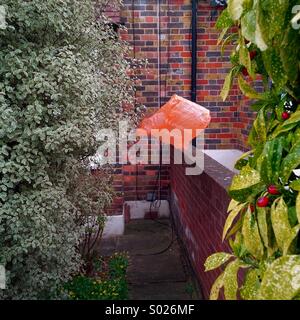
{"x": 194, "y": 51}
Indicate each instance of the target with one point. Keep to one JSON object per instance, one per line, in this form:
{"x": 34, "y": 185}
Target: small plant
{"x": 85, "y": 288}
{"x": 118, "y": 264}
{"x": 111, "y": 283}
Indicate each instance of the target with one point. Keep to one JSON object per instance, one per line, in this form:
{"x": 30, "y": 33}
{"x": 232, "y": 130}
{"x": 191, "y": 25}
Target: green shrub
{"x": 117, "y": 265}
{"x": 111, "y": 286}
{"x": 85, "y": 288}
{"x": 63, "y": 77}
{"x": 264, "y": 215}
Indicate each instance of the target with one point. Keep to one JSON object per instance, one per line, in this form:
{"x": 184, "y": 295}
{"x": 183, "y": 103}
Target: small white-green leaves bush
{"x": 63, "y": 76}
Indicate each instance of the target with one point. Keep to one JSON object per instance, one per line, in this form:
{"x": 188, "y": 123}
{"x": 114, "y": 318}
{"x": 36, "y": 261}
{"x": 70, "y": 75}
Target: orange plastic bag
{"x": 177, "y": 113}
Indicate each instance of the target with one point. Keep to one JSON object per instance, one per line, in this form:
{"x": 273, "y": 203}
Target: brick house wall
{"x": 168, "y": 27}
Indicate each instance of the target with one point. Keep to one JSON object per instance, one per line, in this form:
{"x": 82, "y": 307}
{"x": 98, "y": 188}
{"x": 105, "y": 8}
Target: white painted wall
{"x": 115, "y": 225}
{"x": 138, "y": 209}
{"x": 226, "y": 158}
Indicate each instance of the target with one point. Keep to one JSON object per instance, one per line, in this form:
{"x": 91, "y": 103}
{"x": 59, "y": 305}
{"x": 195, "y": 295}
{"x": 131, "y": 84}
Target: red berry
{"x": 273, "y": 190}
{"x": 245, "y": 72}
{"x": 253, "y": 54}
{"x": 285, "y": 115}
{"x": 252, "y": 207}
{"x": 263, "y": 202}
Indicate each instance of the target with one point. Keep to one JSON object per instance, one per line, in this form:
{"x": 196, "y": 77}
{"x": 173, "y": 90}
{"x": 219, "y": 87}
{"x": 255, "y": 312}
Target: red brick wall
{"x": 231, "y": 120}
{"x": 172, "y": 66}
{"x": 198, "y": 205}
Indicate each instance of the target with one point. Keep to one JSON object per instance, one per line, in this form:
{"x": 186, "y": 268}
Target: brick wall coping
{"x": 218, "y": 172}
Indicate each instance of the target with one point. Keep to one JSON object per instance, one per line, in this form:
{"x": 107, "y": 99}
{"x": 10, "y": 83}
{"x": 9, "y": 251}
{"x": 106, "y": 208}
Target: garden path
{"x": 157, "y": 269}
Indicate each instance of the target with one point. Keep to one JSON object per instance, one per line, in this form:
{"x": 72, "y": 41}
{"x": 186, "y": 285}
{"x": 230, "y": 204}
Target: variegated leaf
{"x": 248, "y": 90}
{"x": 244, "y": 183}
{"x": 251, "y": 235}
{"x": 281, "y": 280}
{"x": 248, "y": 25}
{"x": 249, "y": 291}
{"x": 298, "y": 207}
{"x": 292, "y": 236}
{"x": 224, "y": 20}
{"x": 227, "y": 85}
{"x": 232, "y": 215}
{"x": 263, "y": 225}
{"x": 281, "y": 225}
{"x": 235, "y": 8}
{"x": 260, "y": 125}
{"x": 216, "y": 260}
{"x": 244, "y": 56}
{"x": 290, "y": 162}
{"x": 295, "y": 185}
{"x": 215, "y": 289}
{"x": 233, "y": 204}
{"x": 230, "y": 280}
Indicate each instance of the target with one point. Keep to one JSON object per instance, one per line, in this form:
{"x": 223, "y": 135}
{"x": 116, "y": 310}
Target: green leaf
{"x": 215, "y": 289}
{"x": 289, "y": 163}
{"x": 281, "y": 225}
{"x": 281, "y": 280}
{"x": 232, "y": 205}
{"x": 298, "y": 207}
{"x": 243, "y": 184}
{"x": 248, "y": 90}
{"x": 227, "y": 85}
{"x": 272, "y": 16}
{"x": 227, "y": 41}
{"x": 251, "y": 235}
{"x": 294, "y": 119}
{"x": 222, "y": 35}
{"x": 281, "y": 129}
{"x": 235, "y": 228}
{"x": 244, "y": 57}
{"x": 216, "y": 260}
{"x": 261, "y": 37}
{"x": 260, "y": 125}
{"x": 274, "y": 67}
{"x": 263, "y": 225}
{"x": 292, "y": 237}
{"x": 232, "y": 215}
{"x": 292, "y": 213}
{"x": 237, "y": 245}
{"x": 295, "y": 185}
{"x": 289, "y": 52}
{"x": 242, "y": 161}
{"x": 235, "y": 8}
{"x": 252, "y": 138}
{"x": 230, "y": 281}
{"x": 248, "y": 25}
{"x": 271, "y": 160}
{"x": 224, "y": 20}
{"x": 251, "y": 286}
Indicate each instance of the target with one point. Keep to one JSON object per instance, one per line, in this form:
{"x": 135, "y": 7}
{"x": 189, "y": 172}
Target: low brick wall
{"x": 199, "y": 205}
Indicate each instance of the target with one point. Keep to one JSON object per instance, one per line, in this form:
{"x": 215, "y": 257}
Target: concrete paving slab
{"x": 157, "y": 268}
